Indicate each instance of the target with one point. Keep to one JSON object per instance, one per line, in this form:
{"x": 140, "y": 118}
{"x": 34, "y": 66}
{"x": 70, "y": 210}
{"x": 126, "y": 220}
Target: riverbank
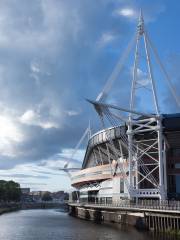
{"x": 5, "y": 208}
{"x": 43, "y": 205}
{"x": 8, "y": 210}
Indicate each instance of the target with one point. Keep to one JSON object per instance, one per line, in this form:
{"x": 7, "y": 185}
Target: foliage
{"x": 9, "y": 191}
{"x": 66, "y": 196}
{"x": 46, "y": 197}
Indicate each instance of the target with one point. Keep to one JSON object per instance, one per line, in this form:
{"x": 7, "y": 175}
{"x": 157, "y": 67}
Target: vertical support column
{"x": 177, "y": 221}
{"x": 130, "y": 156}
{"x": 95, "y": 157}
{"x": 149, "y": 222}
{"x": 158, "y": 222}
{"x": 100, "y": 155}
{"x": 140, "y": 31}
{"x": 165, "y": 168}
{"x": 109, "y": 158}
{"x": 160, "y": 155}
{"x": 120, "y": 148}
{"x": 155, "y": 218}
{"x": 136, "y": 174}
{"x": 174, "y": 223}
{"x": 171, "y": 222}
{"x": 136, "y": 58}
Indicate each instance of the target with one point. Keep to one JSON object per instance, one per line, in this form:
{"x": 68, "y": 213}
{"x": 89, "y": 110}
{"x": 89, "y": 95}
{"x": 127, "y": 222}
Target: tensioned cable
{"x": 124, "y": 138}
{"x": 75, "y": 150}
{"x": 107, "y": 87}
{"x": 113, "y": 148}
{"x": 168, "y": 80}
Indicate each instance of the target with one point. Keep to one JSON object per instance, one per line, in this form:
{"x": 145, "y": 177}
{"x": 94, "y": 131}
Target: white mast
{"x": 141, "y": 34}
{"x": 144, "y": 137}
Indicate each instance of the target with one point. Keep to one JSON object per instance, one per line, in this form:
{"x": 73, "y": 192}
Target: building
{"x": 25, "y": 190}
{"x": 100, "y": 178}
{"x": 26, "y": 195}
{"x": 139, "y": 156}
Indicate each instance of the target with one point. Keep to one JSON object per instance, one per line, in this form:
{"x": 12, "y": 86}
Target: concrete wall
{"x": 100, "y": 216}
{"x": 154, "y": 221}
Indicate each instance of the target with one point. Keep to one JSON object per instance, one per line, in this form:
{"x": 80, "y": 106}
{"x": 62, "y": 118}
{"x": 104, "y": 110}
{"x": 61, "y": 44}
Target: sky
{"x": 56, "y": 53}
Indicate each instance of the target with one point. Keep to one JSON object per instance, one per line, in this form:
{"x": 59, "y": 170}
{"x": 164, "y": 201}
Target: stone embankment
{"x": 157, "y": 220}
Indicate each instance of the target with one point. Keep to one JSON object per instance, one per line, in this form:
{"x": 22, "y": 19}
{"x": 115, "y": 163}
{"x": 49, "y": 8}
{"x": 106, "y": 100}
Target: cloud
{"x": 54, "y": 54}
{"x": 11, "y": 135}
{"x": 131, "y": 10}
{"x": 127, "y": 12}
{"x": 72, "y": 113}
{"x": 24, "y": 176}
{"x": 143, "y": 78}
{"x": 31, "y": 117}
{"x": 106, "y": 38}
{"x": 35, "y": 67}
{"x": 32, "y": 184}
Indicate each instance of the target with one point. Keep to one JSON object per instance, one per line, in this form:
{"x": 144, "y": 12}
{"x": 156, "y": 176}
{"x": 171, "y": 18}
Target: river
{"x": 58, "y": 225}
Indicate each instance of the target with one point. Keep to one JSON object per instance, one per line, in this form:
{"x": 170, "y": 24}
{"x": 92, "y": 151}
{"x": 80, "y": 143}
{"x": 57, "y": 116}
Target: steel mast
{"x": 138, "y": 126}
{"x": 144, "y": 140}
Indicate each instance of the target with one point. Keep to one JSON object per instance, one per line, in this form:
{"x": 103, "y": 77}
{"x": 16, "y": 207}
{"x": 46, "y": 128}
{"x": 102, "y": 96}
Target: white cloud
{"x": 142, "y": 77}
{"x": 131, "y": 12}
{"x": 9, "y": 129}
{"x": 38, "y": 177}
{"x": 10, "y": 135}
{"x": 127, "y": 12}
{"x": 106, "y": 38}
{"x": 30, "y": 117}
{"x": 72, "y": 113}
{"x": 35, "y": 67}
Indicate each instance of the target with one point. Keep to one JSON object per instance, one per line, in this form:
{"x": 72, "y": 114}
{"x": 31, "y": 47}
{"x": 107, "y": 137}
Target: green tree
{"x": 46, "y": 197}
{"x": 9, "y": 191}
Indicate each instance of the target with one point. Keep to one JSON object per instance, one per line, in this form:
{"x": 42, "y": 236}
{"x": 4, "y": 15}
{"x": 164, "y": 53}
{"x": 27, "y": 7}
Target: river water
{"x": 58, "y": 225}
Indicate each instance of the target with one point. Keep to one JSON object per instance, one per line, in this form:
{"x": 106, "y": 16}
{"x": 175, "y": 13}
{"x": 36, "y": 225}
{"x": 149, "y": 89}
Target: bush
{"x": 10, "y": 191}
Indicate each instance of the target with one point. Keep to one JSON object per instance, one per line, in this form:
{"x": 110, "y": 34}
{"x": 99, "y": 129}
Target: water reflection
{"x": 56, "y": 224}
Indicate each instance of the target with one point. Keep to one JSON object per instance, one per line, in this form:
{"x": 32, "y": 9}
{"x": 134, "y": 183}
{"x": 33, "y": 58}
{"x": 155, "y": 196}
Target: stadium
{"x": 138, "y": 156}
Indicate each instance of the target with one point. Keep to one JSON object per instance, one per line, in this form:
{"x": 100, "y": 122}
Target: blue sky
{"x": 53, "y": 55}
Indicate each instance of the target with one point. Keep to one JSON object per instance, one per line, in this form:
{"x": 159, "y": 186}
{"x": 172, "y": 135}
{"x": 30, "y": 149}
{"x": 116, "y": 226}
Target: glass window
{"x": 121, "y": 186}
{"x": 134, "y": 181}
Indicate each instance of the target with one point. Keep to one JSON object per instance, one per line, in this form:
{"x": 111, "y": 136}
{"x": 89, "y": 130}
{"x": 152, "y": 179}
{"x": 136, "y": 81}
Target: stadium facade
{"x": 138, "y": 157}
{"x": 101, "y": 180}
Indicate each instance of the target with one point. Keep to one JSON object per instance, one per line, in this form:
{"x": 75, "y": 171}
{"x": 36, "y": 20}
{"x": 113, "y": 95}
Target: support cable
{"x": 107, "y": 87}
{"x": 168, "y": 80}
{"x": 134, "y": 148}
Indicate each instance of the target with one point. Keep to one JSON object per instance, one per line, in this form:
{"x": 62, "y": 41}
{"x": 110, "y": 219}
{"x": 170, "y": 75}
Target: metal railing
{"x": 166, "y": 205}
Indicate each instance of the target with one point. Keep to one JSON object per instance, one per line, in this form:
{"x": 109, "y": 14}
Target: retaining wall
{"x": 145, "y": 220}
